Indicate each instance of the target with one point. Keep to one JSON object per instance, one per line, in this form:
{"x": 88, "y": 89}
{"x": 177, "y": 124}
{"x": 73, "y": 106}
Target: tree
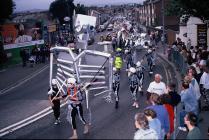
{"x": 197, "y": 8}
{"x": 6, "y": 9}
{"x": 3, "y": 56}
{"x": 81, "y": 9}
{"x": 62, "y": 8}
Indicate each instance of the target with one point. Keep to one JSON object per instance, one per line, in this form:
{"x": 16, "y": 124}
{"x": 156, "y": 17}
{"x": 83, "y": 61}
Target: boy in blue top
{"x": 162, "y": 113}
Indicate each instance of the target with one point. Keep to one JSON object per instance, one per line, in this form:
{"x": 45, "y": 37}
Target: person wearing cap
{"x": 74, "y": 99}
{"x": 133, "y": 84}
{"x": 116, "y": 85}
{"x": 54, "y": 100}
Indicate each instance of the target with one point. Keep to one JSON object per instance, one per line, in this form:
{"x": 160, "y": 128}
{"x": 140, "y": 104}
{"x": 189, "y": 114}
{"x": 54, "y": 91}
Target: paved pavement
{"x": 15, "y": 75}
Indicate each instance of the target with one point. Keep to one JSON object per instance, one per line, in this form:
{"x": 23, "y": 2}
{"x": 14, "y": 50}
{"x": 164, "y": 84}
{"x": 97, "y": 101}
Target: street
{"x": 86, "y": 69}
{"x": 106, "y": 121}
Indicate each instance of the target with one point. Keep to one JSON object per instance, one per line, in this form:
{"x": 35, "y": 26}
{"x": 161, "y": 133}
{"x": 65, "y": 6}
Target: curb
{"x": 177, "y": 76}
{"x": 21, "y": 81}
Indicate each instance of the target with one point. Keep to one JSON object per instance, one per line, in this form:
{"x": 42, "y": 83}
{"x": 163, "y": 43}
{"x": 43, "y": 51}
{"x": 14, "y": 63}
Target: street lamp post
{"x": 68, "y": 15}
{"x": 163, "y": 23}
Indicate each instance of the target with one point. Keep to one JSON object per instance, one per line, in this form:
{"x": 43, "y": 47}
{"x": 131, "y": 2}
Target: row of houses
{"x": 149, "y": 16}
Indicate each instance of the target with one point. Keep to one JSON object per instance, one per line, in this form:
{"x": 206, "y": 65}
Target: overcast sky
{"x": 22, "y": 5}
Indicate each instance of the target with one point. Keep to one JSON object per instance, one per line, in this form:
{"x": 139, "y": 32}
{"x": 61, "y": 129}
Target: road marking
{"x": 27, "y": 121}
{"x": 23, "y": 81}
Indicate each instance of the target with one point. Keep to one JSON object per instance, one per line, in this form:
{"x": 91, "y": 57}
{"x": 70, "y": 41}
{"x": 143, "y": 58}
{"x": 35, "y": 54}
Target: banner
{"x": 85, "y": 20}
{"x": 25, "y": 44}
{"x": 201, "y": 35}
{"x": 9, "y": 33}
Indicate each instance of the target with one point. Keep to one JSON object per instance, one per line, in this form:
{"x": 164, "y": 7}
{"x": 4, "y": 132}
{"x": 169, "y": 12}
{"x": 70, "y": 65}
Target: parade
{"x": 105, "y": 74}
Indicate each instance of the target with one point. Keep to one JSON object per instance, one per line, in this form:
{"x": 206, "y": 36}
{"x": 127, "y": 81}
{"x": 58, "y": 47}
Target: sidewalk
{"x": 203, "y": 114}
{"x": 13, "y": 75}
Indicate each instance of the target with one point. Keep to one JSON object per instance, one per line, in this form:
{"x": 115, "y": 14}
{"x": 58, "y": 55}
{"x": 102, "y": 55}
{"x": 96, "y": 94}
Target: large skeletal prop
{"x": 96, "y": 77}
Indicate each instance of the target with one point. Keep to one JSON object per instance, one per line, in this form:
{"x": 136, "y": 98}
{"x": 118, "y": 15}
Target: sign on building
{"x": 51, "y": 28}
{"x": 201, "y": 35}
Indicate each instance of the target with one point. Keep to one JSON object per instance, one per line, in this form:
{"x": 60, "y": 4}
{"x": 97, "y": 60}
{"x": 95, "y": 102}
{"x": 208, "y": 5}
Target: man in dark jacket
{"x": 23, "y": 56}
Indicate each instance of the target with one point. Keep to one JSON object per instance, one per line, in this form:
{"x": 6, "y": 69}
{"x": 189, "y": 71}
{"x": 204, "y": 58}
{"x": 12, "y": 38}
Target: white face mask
{"x": 69, "y": 85}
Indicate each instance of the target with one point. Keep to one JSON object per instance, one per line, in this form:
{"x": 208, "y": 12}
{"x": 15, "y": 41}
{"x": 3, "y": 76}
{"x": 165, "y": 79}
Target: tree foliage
{"x": 197, "y": 8}
{"x": 62, "y": 8}
{"x": 6, "y": 9}
{"x": 81, "y": 9}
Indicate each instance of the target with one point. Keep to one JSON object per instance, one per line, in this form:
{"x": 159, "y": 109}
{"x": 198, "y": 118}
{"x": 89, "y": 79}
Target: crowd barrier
{"x": 181, "y": 66}
{"x": 179, "y": 60}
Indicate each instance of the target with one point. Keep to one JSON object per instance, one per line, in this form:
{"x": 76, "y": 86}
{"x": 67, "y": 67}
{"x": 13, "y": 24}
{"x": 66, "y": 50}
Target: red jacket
{"x": 171, "y": 114}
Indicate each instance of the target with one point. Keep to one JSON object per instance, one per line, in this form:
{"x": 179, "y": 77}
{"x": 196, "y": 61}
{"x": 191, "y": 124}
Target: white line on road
{"x": 25, "y": 122}
{"x": 24, "y": 81}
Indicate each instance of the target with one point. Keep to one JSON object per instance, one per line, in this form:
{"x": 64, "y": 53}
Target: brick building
{"x": 150, "y": 15}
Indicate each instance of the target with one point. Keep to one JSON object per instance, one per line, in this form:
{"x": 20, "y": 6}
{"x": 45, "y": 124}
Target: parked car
{"x": 110, "y": 27}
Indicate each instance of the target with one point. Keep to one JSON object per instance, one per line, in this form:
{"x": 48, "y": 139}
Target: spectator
{"x": 174, "y": 46}
{"x": 165, "y": 99}
{"x": 188, "y": 44}
{"x": 156, "y": 86}
{"x": 204, "y": 54}
{"x": 189, "y": 58}
{"x": 184, "y": 52}
{"x": 175, "y": 98}
{"x": 154, "y": 123}
{"x": 189, "y": 101}
{"x": 194, "y": 85}
{"x": 23, "y": 56}
{"x": 143, "y": 132}
{"x": 204, "y": 83}
{"x": 191, "y": 121}
{"x": 201, "y": 64}
{"x": 162, "y": 113}
{"x": 42, "y": 54}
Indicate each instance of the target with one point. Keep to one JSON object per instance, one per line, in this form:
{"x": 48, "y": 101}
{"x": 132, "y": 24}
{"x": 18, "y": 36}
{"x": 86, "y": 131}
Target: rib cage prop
{"x": 89, "y": 67}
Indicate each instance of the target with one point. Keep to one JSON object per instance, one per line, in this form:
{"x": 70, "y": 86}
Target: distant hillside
{"x": 32, "y": 11}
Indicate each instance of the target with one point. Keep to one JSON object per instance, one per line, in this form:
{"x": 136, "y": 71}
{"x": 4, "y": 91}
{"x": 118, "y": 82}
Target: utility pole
{"x": 163, "y": 23}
